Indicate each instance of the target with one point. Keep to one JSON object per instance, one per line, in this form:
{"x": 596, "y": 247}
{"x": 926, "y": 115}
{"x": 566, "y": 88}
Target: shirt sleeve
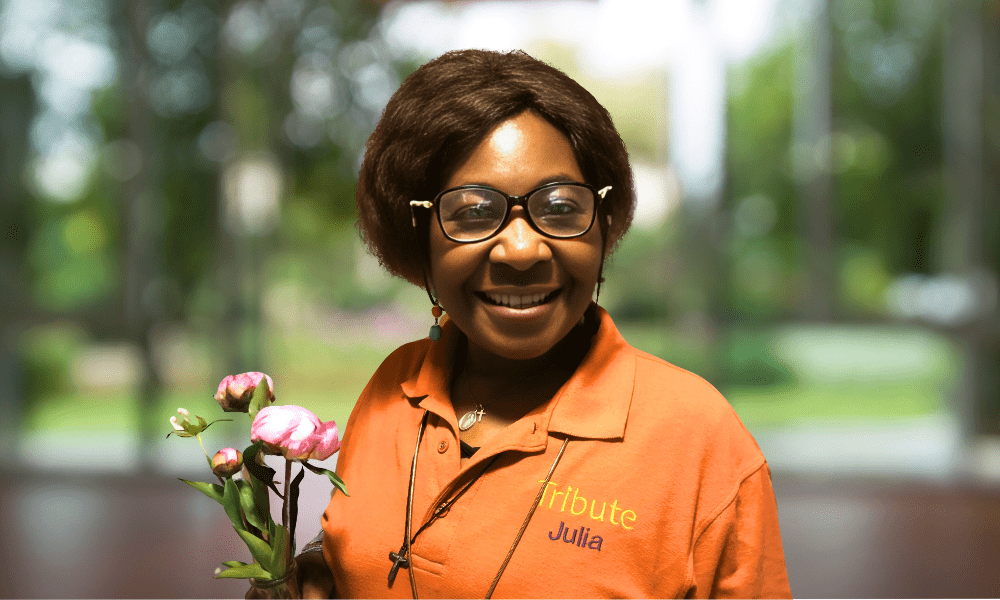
{"x": 739, "y": 554}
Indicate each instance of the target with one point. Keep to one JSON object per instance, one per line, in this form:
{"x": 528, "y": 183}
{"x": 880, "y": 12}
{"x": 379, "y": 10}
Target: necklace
{"x": 475, "y": 415}
{"x": 401, "y": 559}
{"x": 470, "y": 418}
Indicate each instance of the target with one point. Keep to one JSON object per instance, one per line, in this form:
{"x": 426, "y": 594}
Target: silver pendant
{"x": 467, "y": 421}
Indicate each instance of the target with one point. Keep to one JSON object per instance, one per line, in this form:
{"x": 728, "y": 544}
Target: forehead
{"x": 518, "y": 155}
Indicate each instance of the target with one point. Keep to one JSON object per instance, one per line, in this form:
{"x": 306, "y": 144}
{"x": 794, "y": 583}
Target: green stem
{"x": 208, "y": 459}
{"x": 203, "y": 448}
{"x": 284, "y": 508}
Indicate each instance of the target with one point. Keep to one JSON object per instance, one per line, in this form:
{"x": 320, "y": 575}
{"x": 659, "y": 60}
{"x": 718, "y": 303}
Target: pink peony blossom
{"x": 227, "y": 462}
{"x": 295, "y": 433}
{"x": 236, "y": 391}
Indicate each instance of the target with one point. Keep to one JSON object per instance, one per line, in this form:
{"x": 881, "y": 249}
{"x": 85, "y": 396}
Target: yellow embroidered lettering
{"x": 578, "y": 506}
{"x": 625, "y": 515}
{"x": 553, "y": 498}
{"x": 569, "y": 489}
{"x": 601, "y": 516}
{"x": 572, "y": 506}
{"x": 542, "y": 500}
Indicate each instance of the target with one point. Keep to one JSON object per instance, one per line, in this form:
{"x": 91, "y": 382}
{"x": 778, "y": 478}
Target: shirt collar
{"x": 593, "y": 403}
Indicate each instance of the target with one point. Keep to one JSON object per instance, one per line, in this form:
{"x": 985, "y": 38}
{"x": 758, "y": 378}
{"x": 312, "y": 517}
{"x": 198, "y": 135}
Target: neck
{"x": 490, "y": 374}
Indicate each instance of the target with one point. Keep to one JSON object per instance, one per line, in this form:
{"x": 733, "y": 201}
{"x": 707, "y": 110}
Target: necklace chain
{"x": 468, "y": 420}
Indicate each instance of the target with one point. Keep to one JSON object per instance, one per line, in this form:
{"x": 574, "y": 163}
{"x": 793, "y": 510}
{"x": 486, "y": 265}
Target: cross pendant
{"x": 479, "y": 413}
{"x": 398, "y": 560}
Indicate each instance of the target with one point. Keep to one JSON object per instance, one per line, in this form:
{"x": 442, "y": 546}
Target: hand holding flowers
{"x": 290, "y": 431}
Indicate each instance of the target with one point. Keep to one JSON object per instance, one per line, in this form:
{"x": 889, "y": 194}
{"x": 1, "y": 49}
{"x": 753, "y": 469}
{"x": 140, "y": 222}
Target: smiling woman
{"x": 499, "y": 185}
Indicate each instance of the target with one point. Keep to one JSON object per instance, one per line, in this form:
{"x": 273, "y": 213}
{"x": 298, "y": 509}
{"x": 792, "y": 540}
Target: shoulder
{"x": 385, "y": 387}
{"x": 674, "y": 406}
{"x": 665, "y": 387}
{"x": 403, "y": 363}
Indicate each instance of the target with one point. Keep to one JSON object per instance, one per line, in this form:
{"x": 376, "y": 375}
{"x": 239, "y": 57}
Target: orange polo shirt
{"x": 661, "y": 490}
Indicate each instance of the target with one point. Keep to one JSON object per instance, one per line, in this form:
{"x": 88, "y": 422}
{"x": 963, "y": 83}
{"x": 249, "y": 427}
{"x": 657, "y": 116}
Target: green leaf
{"x": 234, "y": 563}
{"x": 278, "y": 566}
{"x": 257, "y": 400}
{"x": 231, "y": 502}
{"x": 247, "y": 501}
{"x": 334, "y": 478}
{"x": 212, "y": 490}
{"x": 254, "y": 571}
{"x": 293, "y": 505}
{"x": 258, "y": 547}
{"x": 261, "y": 472}
{"x": 213, "y": 422}
{"x": 261, "y": 498}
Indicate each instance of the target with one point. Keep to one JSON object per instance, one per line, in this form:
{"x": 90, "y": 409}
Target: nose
{"x": 519, "y": 245}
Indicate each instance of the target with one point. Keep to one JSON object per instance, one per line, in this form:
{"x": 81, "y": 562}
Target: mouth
{"x": 518, "y": 301}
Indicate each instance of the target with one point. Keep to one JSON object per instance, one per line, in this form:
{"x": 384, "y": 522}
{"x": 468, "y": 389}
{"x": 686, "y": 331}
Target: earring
{"x": 435, "y": 333}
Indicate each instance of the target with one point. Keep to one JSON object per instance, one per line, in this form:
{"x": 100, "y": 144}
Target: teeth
{"x": 526, "y": 301}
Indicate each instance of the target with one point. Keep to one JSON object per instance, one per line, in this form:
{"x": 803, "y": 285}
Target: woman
{"x": 524, "y": 448}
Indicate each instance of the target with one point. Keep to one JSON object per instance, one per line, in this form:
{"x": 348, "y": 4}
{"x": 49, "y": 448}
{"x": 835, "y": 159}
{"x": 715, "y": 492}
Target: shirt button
{"x": 443, "y": 446}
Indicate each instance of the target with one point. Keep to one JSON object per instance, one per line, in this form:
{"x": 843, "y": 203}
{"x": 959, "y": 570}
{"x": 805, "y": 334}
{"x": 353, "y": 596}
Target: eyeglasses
{"x": 474, "y": 213}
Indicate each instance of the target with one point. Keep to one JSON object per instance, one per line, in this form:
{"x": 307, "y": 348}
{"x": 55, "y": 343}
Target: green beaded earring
{"x": 435, "y": 334}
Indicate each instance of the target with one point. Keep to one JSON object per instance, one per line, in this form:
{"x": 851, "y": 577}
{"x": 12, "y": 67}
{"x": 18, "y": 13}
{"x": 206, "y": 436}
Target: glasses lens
{"x": 471, "y": 214}
{"x": 562, "y": 210}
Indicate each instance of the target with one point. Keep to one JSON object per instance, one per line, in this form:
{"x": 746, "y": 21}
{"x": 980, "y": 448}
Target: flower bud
{"x": 227, "y": 462}
{"x": 295, "y": 433}
{"x": 184, "y": 426}
{"x": 236, "y": 391}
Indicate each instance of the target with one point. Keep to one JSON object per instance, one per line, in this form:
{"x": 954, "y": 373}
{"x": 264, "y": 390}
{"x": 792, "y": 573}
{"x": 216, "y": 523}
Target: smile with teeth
{"x": 518, "y": 301}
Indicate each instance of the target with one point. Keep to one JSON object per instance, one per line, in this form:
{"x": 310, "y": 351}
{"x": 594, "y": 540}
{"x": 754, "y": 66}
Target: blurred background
{"x": 817, "y": 234}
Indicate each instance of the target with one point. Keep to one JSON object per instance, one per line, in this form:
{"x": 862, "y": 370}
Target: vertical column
{"x": 813, "y": 155}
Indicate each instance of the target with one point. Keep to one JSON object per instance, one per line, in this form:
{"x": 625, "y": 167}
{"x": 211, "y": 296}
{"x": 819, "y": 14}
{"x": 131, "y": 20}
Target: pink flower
{"x": 236, "y": 391}
{"x": 295, "y": 433}
{"x": 227, "y": 462}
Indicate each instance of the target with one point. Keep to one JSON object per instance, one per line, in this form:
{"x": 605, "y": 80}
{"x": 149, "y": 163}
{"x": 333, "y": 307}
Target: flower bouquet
{"x": 290, "y": 431}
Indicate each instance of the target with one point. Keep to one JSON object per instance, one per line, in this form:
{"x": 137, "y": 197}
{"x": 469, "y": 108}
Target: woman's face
{"x": 521, "y": 154}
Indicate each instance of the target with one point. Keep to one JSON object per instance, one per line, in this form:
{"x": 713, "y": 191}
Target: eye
{"x": 471, "y": 212}
{"x": 482, "y": 210}
{"x": 559, "y": 207}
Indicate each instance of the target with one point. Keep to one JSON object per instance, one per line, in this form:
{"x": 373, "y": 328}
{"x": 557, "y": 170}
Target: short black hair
{"x": 444, "y": 110}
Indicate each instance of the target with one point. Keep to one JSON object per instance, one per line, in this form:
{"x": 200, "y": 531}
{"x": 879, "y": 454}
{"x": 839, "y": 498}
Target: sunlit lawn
{"x": 835, "y": 374}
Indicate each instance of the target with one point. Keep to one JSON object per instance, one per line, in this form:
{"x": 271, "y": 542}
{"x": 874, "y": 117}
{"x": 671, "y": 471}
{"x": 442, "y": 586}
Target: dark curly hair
{"x": 442, "y": 112}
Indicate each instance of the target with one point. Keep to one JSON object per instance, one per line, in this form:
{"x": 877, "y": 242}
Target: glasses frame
{"x": 512, "y": 201}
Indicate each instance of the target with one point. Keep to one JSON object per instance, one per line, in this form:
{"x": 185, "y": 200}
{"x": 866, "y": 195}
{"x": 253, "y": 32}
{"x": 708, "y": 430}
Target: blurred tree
{"x": 913, "y": 155}
{"x": 882, "y": 155}
{"x": 17, "y": 104}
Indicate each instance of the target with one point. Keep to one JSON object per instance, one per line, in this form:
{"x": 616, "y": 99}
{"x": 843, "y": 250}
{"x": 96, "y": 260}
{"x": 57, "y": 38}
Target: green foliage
{"x": 887, "y": 155}
{"x": 47, "y": 353}
{"x": 333, "y": 477}
{"x": 277, "y": 562}
{"x": 259, "y": 549}
{"x": 244, "y": 571}
{"x": 231, "y": 503}
{"x": 212, "y": 490}
{"x": 750, "y": 362}
{"x": 249, "y": 506}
